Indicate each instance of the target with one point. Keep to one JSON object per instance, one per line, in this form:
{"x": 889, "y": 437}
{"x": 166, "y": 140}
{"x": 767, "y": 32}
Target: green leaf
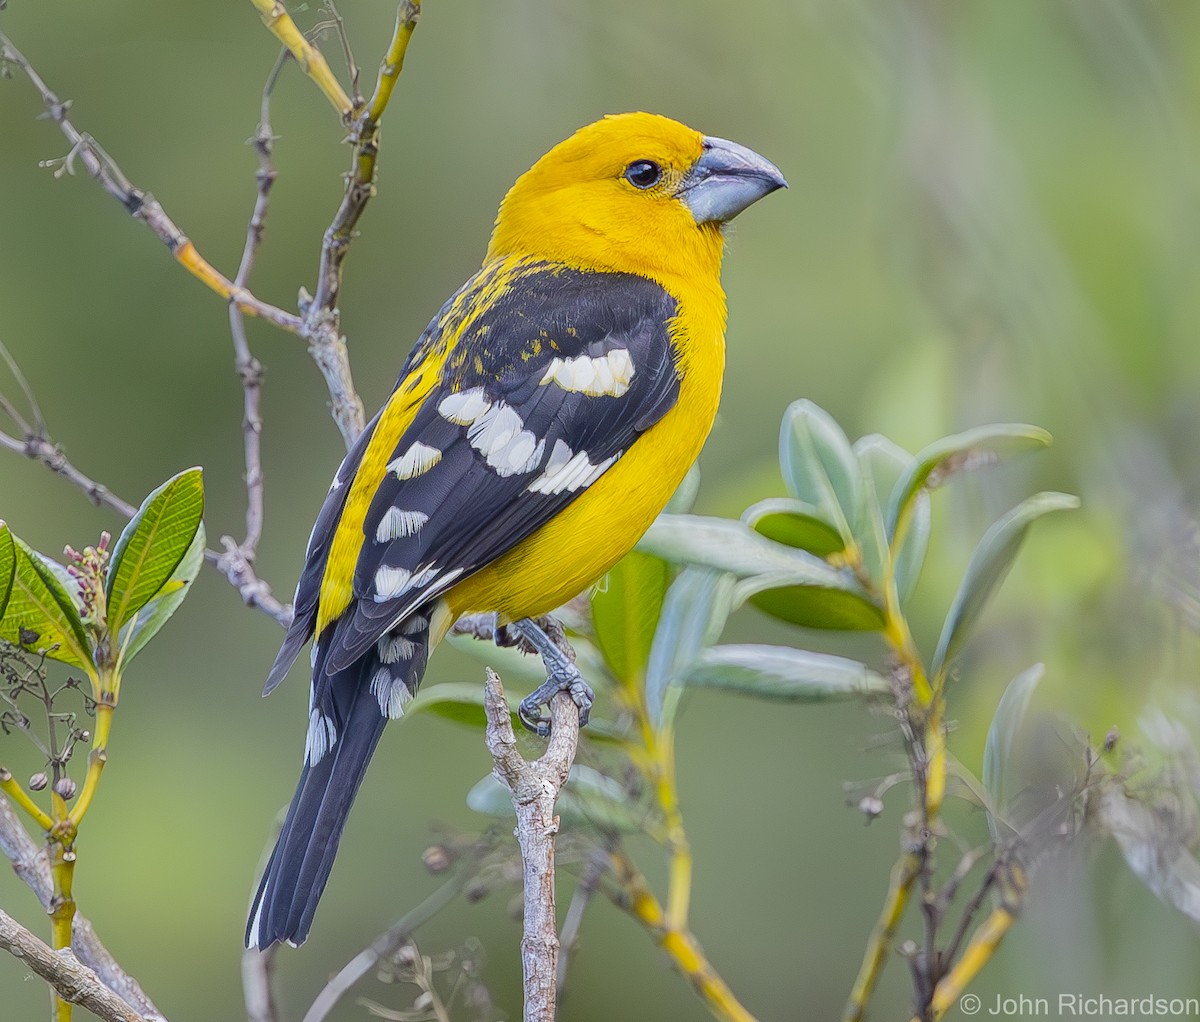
{"x": 785, "y": 582}
{"x": 839, "y": 610}
{"x": 694, "y": 613}
{"x": 796, "y": 524}
{"x": 625, "y": 612}
{"x": 39, "y": 603}
{"x": 460, "y": 702}
{"x": 8, "y": 565}
{"x": 157, "y": 611}
{"x": 589, "y": 798}
{"x": 974, "y": 448}
{"x": 998, "y": 759}
{"x": 818, "y": 463}
{"x": 152, "y": 545}
{"x": 988, "y": 566}
{"x": 781, "y": 672}
{"x": 734, "y": 547}
{"x": 911, "y": 557}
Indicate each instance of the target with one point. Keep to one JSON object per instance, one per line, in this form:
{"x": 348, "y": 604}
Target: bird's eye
{"x": 643, "y": 174}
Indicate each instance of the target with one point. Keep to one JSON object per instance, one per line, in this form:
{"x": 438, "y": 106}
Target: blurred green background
{"x": 993, "y": 215}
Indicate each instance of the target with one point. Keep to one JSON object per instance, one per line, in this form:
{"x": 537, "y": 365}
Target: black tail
{"x": 347, "y": 715}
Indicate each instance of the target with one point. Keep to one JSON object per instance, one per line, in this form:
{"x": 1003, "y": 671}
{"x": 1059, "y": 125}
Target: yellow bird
{"x": 539, "y": 425}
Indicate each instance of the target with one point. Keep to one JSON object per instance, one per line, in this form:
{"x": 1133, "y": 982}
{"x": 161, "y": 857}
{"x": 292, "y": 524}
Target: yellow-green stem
{"x": 680, "y": 945}
{"x": 62, "y": 875}
{"x": 98, "y": 756}
{"x": 393, "y": 61}
{"x": 12, "y": 788}
{"x": 983, "y": 945}
{"x": 679, "y": 881}
{"x": 275, "y": 16}
{"x": 904, "y": 874}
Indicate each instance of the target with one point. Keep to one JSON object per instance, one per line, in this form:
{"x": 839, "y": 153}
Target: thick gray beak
{"x": 726, "y": 179}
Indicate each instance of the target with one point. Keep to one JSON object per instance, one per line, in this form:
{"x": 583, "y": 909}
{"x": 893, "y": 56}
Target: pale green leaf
{"x": 694, "y": 613}
{"x": 781, "y": 672}
{"x": 971, "y": 449}
{"x": 818, "y": 464}
{"x": 998, "y": 758}
{"x": 988, "y": 566}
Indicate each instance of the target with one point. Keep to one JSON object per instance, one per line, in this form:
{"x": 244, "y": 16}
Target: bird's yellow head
{"x": 633, "y": 192}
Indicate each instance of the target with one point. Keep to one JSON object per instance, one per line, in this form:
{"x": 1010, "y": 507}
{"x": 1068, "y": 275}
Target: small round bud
{"x": 437, "y": 858}
{"x": 475, "y": 891}
{"x": 83, "y": 735}
{"x": 1111, "y": 739}
{"x": 38, "y": 781}
{"x": 870, "y": 807}
{"x": 65, "y": 788}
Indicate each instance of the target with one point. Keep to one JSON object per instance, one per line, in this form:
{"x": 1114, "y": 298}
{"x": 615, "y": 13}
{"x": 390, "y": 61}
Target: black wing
{"x": 550, "y": 382}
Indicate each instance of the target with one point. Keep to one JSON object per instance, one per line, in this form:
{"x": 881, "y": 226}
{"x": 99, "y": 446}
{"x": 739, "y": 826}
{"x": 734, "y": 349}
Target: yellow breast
{"x": 576, "y": 548}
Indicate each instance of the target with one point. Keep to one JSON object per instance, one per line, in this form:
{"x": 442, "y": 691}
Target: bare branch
{"x": 139, "y": 204}
{"x": 321, "y": 318}
{"x": 72, "y": 981}
{"x": 535, "y": 787}
{"x": 44, "y": 452}
{"x": 31, "y": 866}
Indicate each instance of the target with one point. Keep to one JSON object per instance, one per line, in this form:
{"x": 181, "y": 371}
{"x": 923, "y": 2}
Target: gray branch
{"x": 30, "y": 865}
{"x": 535, "y": 787}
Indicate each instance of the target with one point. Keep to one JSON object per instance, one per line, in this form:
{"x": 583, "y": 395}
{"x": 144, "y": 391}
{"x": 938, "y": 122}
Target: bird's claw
{"x": 580, "y": 691}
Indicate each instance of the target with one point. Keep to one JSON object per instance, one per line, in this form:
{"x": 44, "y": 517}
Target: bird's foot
{"x": 561, "y": 674}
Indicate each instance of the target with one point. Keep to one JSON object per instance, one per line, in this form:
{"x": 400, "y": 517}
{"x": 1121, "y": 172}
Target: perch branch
{"x": 73, "y": 981}
{"x": 535, "y": 787}
{"x": 32, "y": 868}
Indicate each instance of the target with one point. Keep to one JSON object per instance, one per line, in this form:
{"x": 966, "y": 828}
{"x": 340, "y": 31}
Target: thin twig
{"x": 321, "y": 317}
{"x": 352, "y": 69}
{"x": 275, "y": 16}
{"x": 249, "y": 369}
{"x": 139, "y": 204}
{"x": 535, "y": 787}
{"x": 573, "y": 920}
{"x": 31, "y": 866}
{"x": 387, "y": 943}
{"x": 239, "y": 573}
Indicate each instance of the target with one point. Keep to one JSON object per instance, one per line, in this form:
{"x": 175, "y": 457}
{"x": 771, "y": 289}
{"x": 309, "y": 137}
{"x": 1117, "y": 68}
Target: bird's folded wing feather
{"x": 540, "y": 391}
